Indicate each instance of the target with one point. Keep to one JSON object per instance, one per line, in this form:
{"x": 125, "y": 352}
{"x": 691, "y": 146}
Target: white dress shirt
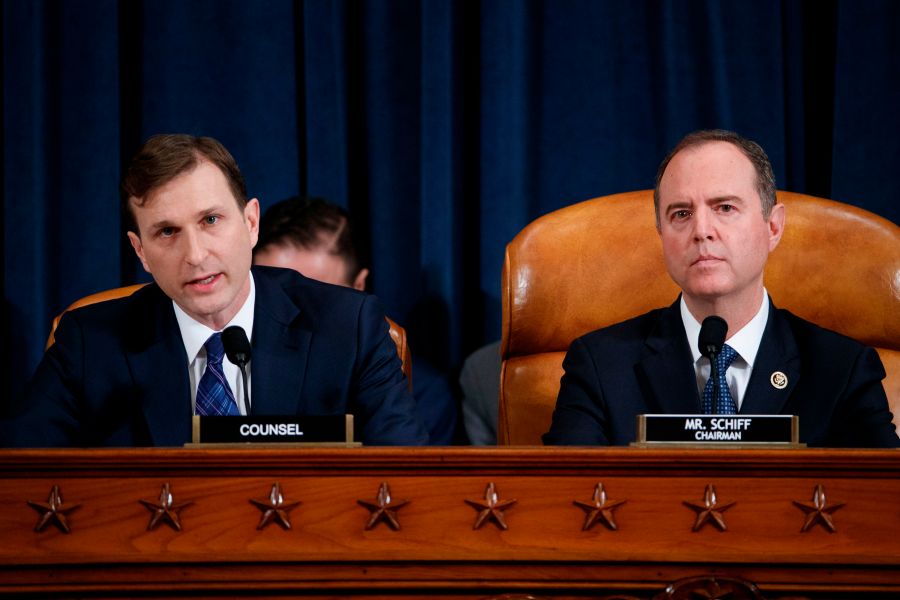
{"x": 195, "y": 334}
{"x": 745, "y": 342}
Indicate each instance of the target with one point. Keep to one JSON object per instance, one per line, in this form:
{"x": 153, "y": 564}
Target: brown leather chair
{"x": 398, "y": 333}
{"x": 599, "y": 262}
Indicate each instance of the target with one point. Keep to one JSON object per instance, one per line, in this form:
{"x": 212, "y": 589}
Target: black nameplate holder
{"x": 308, "y": 430}
{"x": 718, "y": 430}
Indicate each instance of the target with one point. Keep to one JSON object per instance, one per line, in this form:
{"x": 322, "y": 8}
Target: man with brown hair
{"x": 133, "y": 371}
{"x": 312, "y": 236}
{"x": 718, "y": 220}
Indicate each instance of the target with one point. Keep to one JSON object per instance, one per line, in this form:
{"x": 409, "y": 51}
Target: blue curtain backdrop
{"x": 444, "y": 127}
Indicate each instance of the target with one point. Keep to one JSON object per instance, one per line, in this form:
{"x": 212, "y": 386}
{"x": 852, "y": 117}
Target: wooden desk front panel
{"x": 544, "y": 550}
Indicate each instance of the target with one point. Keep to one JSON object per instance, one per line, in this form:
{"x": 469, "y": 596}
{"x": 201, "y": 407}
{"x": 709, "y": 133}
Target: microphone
{"x": 237, "y": 349}
{"x": 711, "y": 338}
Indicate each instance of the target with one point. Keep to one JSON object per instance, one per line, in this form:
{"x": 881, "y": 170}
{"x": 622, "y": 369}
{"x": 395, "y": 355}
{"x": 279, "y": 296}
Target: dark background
{"x": 444, "y": 127}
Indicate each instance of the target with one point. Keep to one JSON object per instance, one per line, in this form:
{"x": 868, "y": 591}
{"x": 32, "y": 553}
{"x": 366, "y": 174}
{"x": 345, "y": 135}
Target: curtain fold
{"x": 444, "y": 127}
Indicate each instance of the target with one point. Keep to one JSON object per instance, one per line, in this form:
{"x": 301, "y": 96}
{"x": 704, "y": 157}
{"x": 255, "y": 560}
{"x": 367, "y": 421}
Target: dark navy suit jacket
{"x": 118, "y": 373}
{"x": 644, "y": 365}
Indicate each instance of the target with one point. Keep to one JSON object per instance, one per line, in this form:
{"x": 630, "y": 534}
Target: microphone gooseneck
{"x": 237, "y": 349}
{"x": 712, "y": 336}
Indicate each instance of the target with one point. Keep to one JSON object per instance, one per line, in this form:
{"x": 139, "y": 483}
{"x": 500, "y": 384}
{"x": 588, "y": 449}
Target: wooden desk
{"x": 545, "y": 552}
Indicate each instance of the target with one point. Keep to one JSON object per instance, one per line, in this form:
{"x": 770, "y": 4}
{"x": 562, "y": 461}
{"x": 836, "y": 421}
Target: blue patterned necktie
{"x": 726, "y": 405}
{"x": 214, "y": 397}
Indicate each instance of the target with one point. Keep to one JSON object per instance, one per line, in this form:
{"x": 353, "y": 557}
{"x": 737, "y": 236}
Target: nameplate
{"x": 756, "y": 430}
{"x": 306, "y": 430}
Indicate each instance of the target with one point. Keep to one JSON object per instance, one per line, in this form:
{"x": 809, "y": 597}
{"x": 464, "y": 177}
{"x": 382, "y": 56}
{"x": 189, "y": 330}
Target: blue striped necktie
{"x": 214, "y": 397}
{"x": 726, "y": 405}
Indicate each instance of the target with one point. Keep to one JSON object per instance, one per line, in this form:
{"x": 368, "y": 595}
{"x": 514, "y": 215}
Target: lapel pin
{"x": 778, "y": 380}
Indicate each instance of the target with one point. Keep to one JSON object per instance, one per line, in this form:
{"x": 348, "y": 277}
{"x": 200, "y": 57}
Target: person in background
{"x": 479, "y": 381}
{"x": 132, "y": 371}
{"x": 315, "y": 237}
{"x": 718, "y": 218}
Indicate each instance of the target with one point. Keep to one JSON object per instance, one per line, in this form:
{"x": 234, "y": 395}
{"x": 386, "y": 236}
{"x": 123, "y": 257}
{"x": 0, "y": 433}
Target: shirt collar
{"x": 194, "y": 334}
{"x": 745, "y": 342}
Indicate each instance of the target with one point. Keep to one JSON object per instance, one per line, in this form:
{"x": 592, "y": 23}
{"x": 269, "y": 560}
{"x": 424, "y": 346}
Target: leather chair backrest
{"x": 398, "y": 333}
{"x": 599, "y": 262}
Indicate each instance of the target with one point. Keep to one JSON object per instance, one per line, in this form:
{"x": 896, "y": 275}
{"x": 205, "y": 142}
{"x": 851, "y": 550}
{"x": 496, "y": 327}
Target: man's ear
{"x": 251, "y": 217}
{"x": 359, "y": 282}
{"x": 138, "y": 249}
{"x": 776, "y": 225}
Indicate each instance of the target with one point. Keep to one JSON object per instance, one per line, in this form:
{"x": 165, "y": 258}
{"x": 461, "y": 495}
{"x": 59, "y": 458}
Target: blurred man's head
{"x": 312, "y": 236}
{"x": 191, "y": 224}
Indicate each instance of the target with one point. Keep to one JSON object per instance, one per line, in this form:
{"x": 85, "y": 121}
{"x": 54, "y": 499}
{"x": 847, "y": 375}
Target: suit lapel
{"x": 155, "y": 354}
{"x": 666, "y": 371}
{"x": 280, "y": 347}
{"x": 777, "y": 353}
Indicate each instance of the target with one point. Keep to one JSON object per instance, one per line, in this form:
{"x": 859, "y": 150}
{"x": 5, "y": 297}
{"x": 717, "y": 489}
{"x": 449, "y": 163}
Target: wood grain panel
{"x": 437, "y": 551}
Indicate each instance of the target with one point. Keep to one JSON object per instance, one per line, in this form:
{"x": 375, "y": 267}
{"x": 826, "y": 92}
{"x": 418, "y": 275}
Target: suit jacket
{"x": 437, "y": 406}
{"x": 644, "y": 365}
{"x": 479, "y": 380}
{"x": 118, "y": 373}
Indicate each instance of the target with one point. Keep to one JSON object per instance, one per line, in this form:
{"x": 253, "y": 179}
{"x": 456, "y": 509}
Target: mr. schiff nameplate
{"x": 311, "y": 429}
{"x": 756, "y": 430}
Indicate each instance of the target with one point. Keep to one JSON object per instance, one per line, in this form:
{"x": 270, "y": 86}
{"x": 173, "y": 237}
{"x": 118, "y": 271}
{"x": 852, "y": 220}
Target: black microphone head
{"x": 237, "y": 346}
{"x": 712, "y": 335}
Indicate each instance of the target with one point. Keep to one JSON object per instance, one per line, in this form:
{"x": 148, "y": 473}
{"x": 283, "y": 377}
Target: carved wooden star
{"x": 384, "y": 508}
{"x": 52, "y": 511}
{"x": 818, "y": 511}
{"x": 599, "y": 510}
{"x": 165, "y": 510}
{"x": 274, "y": 508}
{"x": 491, "y": 508}
{"x": 710, "y": 510}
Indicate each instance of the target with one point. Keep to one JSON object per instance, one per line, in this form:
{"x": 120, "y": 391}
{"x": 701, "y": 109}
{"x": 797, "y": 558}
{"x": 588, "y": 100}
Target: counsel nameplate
{"x": 776, "y": 430}
{"x": 309, "y": 429}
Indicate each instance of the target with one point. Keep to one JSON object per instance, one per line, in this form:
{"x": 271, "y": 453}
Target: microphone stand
{"x": 237, "y": 348}
{"x": 243, "y": 367}
{"x": 713, "y": 331}
{"x": 714, "y": 375}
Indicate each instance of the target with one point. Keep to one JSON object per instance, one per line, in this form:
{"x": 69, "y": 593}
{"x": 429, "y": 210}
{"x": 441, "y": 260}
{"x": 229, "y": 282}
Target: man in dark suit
{"x": 718, "y": 220}
{"x": 133, "y": 371}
